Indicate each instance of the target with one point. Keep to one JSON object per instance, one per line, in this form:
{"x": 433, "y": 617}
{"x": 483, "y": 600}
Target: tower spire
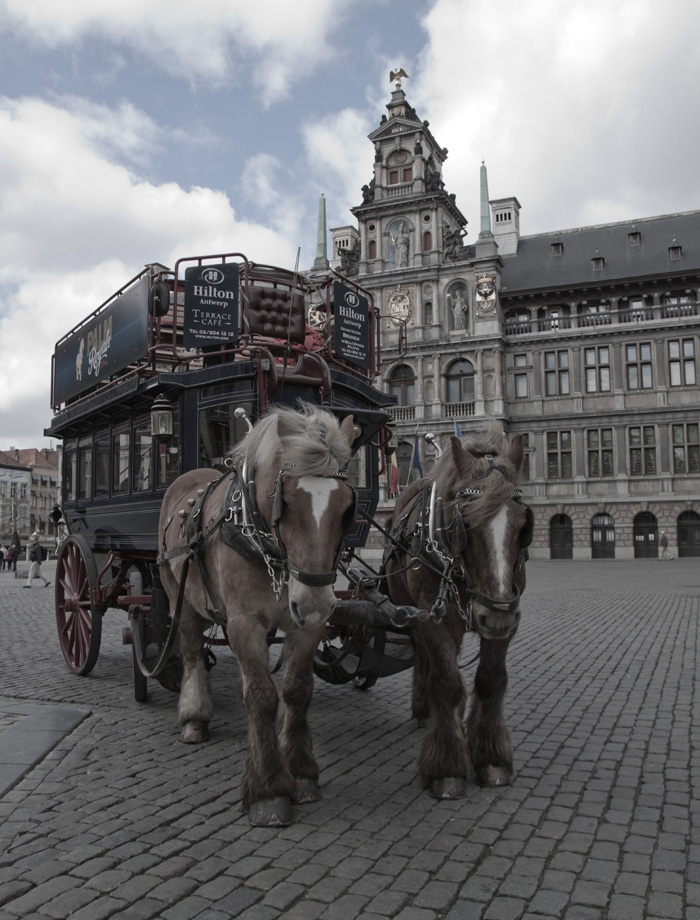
{"x": 485, "y": 233}
{"x": 321, "y": 260}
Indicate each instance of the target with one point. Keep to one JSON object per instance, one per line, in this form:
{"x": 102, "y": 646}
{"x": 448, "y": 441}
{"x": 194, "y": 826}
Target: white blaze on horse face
{"x": 498, "y": 526}
{"x": 320, "y": 490}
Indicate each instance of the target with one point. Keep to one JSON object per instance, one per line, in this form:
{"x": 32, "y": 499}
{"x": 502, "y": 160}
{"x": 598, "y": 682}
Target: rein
{"x": 440, "y": 547}
{"x": 243, "y": 527}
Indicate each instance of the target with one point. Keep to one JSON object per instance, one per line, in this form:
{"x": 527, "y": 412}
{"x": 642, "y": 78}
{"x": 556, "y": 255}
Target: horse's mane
{"x": 311, "y": 442}
{"x": 496, "y": 479}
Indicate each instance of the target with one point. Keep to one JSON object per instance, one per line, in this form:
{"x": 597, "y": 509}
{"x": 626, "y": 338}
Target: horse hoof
{"x": 194, "y": 732}
{"x": 494, "y": 776}
{"x": 448, "y": 787}
{"x": 305, "y": 790}
{"x": 275, "y": 812}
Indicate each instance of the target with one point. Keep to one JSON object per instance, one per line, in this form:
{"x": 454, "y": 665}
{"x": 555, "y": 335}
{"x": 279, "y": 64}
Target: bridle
{"x": 246, "y": 530}
{"x": 441, "y": 548}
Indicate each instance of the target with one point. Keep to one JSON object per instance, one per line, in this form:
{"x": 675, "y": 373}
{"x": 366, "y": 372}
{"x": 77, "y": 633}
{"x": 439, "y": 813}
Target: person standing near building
{"x": 36, "y": 557}
{"x": 663, "y": 543}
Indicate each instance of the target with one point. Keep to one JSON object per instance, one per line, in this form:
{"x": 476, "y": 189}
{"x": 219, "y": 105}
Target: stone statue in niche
{"x": 400, "y": 243}
{"x": 459, "y": 309}
{"x": 485, "y": 292}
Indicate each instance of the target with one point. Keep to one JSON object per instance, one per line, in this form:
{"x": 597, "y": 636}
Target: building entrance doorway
{"x": 689, "y": 534}
{"x": 603, "y": 537}
{"x": 646, "y": 532}
{"x": 561, "y": 537}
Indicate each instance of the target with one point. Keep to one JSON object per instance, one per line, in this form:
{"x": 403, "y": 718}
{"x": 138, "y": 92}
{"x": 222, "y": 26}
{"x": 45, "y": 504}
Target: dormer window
{"x": 634, "y": 238}
{"x": 557, "y": 249}
{"x": 598, "y": 263}
{"x": 675, "y": 252}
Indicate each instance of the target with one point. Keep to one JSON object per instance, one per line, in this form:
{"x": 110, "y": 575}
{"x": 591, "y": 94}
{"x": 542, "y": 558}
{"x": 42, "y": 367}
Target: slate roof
{"x": 536, "y": 268}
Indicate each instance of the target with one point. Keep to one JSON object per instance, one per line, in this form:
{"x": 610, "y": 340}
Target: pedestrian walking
{"x": 663, "y": 543}
{"x": 2, "y": 559}
{"x": 36, "y": 557}
{"x": 15, "y": 550}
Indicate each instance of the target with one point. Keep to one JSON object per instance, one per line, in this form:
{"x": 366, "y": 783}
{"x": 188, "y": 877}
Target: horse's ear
{"x": 283, "y": 428}
{"x": 516, "y": 452}
{"x": 459, "y": 454}
{"x": 347, "y": 426}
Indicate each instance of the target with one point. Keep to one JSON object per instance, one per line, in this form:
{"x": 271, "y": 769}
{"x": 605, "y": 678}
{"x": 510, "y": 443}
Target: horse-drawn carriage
{"x": 222, "y": 448}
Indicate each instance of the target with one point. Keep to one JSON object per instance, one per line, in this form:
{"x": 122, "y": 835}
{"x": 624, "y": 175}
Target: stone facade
{"x": 586, "y": 341}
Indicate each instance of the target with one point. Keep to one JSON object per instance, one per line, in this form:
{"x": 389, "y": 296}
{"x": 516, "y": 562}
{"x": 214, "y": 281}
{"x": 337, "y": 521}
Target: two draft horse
{"x": 460, "y": 546}
{"x": 254, "y": 550}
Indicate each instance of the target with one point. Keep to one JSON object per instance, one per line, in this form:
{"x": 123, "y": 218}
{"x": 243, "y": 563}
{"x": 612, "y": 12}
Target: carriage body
{"x": 151, "y": 385}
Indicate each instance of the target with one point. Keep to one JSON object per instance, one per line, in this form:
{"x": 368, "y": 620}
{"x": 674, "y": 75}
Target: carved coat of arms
{"x": 485, "y": 292}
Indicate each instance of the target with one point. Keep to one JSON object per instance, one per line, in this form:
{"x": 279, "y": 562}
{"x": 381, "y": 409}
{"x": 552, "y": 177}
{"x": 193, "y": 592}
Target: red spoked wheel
{"x": 79, "y": 621}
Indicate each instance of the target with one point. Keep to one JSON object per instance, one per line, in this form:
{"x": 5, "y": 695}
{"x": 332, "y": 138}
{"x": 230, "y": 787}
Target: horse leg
{"x": 420, "y": 700}
{"x": 443, "y": 763}
{"x": 295, "y": 734}
{"x": 195, "y": 706}
{"x": 267, "y": 786}
{"x": 487, "y": 734}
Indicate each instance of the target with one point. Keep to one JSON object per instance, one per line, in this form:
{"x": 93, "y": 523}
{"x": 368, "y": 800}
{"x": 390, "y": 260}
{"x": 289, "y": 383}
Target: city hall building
{"x": 585, "y": 341}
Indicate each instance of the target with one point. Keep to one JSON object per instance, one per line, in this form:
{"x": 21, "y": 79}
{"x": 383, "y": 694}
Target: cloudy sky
{"x": 135, "y": 131}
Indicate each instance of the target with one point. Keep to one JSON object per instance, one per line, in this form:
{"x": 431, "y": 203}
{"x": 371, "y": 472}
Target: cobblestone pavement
{"x": 119, "y": 819}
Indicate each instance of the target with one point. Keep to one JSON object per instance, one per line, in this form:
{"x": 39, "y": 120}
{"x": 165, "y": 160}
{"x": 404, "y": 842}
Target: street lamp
{"x": 162, "y": 419}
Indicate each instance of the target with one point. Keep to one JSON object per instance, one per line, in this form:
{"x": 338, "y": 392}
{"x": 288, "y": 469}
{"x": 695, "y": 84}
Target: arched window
{"x": 428, "y": 312}
{"x": 561, "y": 537}
{"x": 402, "y": 385}
{"x": 645, "y": 532}
{"x": 372, "y": 249}
{"x": 603, "y": 537}
{"x": 427, "y": 241}
{"x": 689, "y": 533}
{"x": 460, "y": 382}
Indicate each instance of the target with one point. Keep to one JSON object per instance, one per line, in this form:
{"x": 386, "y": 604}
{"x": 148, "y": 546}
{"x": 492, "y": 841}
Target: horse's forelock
{"x": 485, "y": 466}
{"x": 308, "y": 442}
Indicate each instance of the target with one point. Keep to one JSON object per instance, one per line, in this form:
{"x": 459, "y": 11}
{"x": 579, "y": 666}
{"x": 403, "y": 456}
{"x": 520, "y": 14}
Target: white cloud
{"x": 567, "y": 103}
{"x": 276, "y": 41}
{"x": 74, "y": 227}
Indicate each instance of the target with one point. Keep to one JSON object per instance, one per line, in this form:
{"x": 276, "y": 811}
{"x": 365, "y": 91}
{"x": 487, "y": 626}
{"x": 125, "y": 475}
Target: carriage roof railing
{"x": 161, "y": 346}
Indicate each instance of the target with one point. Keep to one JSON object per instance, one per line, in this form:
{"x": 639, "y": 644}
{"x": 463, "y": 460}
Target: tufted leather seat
{"x": 268, "y": 313}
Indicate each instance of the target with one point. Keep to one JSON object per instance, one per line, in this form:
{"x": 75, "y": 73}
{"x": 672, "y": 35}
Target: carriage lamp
{"x": 161, "y": 419}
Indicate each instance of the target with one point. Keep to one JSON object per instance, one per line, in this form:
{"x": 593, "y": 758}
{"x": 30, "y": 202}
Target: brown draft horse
{"x": 266, "y": 539}
{"x": 463, "y": 537}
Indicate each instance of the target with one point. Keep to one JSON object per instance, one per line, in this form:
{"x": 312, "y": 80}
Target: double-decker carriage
{"x": 166, "y": 377}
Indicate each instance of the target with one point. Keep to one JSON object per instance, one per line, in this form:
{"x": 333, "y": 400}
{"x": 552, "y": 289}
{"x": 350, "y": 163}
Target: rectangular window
{"x": 559, "y": 456}
{"x": 556, "y": 373}
{"x": 85, "y": 468}
{"x": 393, "y": 177}
{"x": 143, "y": 455}
{"x": 597, "y": 366}
{"x": 408, "y": 174}
{"x": 70, "y": 469}
{"x": 681, "y": 362}
{"x": 101, "y": 464}
{"x": 686, "y": 448}
{"x": 120, "y": 459}
{"x": 599, "y": 443}
{"x": 642, "y": 441}
{"x": 525, "y": 468}
{"x": 638, "y": 359}
{"x": 521, "y": 360}
{"x": 521, "y": 386}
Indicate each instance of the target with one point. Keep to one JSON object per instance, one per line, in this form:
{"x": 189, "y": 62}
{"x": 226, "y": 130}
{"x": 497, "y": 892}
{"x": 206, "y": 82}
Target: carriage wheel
{"x": 140, "y": 682}
{"x": 79, "y": 621}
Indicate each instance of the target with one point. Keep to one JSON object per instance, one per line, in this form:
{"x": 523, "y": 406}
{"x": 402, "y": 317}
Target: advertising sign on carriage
{"x": 103, "y": 345}
{"x": 351, "y": 324}
{"x": 211, "y": 305}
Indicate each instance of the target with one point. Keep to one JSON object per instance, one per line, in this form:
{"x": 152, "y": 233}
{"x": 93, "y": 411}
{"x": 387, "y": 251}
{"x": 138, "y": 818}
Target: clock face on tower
{"x": 400, "y": 307}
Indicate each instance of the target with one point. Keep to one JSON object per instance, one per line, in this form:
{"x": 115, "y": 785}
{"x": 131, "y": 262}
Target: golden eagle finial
{"x": 396, "y": 75}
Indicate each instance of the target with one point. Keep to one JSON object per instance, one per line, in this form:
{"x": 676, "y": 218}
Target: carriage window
{"x": 357, "y": 468}
{"x": 101, "y": 464}
{"x": 70, "y": 469}
{"x": 85, "y": 467}
{"x": 120, "y": 459}
{"x": 219, "y": 431}
{"x": 143, "y": 455}
{"x": 169, "y": 456}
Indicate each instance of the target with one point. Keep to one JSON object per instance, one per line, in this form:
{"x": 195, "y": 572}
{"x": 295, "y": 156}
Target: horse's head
{"x": 305, "y": 498}
{"x": 497, "y": 531}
